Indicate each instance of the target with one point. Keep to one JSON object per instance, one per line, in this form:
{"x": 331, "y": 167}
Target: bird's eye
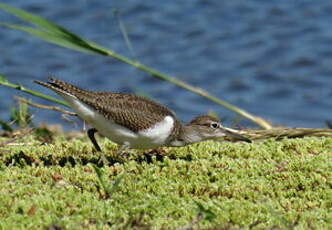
{"x": 214, "y": 125}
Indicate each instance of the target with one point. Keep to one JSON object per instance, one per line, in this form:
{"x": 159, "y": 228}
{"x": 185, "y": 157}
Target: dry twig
{"x": 18, "y": 135}
{"x": 40, "y": 106}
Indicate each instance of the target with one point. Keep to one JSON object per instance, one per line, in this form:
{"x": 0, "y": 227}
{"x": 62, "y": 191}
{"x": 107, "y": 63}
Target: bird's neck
{"x": 187, "y": 134}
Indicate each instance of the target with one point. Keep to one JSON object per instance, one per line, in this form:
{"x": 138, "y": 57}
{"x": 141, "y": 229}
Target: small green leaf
{"x": 109, "y": 189}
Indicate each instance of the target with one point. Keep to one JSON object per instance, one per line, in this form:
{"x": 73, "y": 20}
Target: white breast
{"x": 160, "y": 131}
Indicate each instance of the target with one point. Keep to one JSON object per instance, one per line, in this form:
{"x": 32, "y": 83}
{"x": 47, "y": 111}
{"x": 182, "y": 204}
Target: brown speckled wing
{"x": 134, "y": 112}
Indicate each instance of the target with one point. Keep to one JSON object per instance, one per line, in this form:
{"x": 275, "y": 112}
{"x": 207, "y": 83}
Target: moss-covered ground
{"x": 271, "y": 184}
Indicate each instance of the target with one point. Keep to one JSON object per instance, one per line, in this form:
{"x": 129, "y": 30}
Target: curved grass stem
{"x": 60, "y": 36}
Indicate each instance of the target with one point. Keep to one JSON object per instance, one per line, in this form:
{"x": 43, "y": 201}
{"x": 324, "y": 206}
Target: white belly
{"x": 144, "y": 139}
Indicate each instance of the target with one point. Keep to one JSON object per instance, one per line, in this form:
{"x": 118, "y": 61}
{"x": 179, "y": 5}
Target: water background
{"x": 271, "y": 58}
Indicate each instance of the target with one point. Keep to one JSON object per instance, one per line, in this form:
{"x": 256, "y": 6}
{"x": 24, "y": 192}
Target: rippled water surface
{"x": 271, "y": 58}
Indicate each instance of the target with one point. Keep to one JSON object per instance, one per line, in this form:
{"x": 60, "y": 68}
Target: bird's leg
{"x": 91, "y": 135}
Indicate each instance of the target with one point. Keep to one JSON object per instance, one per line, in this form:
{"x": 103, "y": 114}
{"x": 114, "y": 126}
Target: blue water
{"x": 271, "y": 58}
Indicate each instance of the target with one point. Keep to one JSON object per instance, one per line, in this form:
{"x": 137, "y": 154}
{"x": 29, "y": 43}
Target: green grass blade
{"x": 39, "y": 22}
{"x": 55, "y": 39}
{"x": 46, "y": 29}
{"x": 5, "y": 82}
{"x": 6, "y": 126}
{"x": 34, "y": 19}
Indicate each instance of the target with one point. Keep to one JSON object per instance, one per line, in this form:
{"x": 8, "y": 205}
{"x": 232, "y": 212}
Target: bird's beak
{"x": 234, "y": 133}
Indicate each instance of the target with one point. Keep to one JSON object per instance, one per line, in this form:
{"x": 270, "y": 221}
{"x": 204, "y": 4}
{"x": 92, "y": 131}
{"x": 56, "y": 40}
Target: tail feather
{"x": 61, "y": 87}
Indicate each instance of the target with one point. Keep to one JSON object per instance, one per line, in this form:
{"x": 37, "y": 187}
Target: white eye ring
{"x": 214, "y": 125}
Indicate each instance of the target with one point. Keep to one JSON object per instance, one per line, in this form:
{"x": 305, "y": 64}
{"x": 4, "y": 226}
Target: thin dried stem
{"x": 46, "y": 107}
{"x": 279, "y": 133}
{"x": 18, "y": 135}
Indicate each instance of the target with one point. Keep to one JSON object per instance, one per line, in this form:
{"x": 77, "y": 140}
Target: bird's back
{"x": 134, "y": 112}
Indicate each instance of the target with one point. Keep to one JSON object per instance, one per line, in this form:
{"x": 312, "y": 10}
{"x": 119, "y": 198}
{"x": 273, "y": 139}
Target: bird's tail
{"x": 61, "y": 87}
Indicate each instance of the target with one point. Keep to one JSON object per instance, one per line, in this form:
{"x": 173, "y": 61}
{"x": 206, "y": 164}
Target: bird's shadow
{"x": 22, "y": 159}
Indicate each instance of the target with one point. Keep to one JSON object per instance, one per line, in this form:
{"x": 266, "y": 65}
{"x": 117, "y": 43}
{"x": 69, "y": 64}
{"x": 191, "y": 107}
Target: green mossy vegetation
{"x": 60, "y": 183}
{"x": 56, "y": 182}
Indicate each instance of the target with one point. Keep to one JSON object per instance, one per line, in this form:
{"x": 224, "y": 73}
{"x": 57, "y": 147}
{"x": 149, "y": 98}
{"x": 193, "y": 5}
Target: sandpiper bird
{"x": 135, "y": 122}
